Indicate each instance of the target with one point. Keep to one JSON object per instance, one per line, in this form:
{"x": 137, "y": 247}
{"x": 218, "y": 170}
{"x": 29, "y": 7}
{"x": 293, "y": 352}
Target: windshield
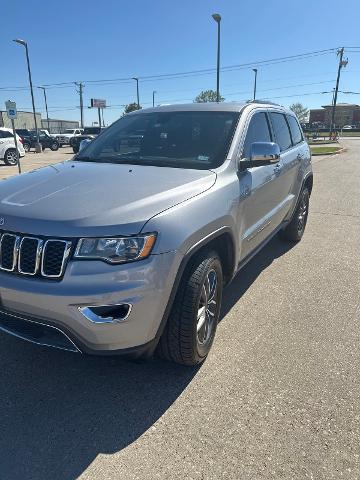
{"x": 92, "y": 131}
{"x": 69, "y": 131}
{"x": 184, "y": 139}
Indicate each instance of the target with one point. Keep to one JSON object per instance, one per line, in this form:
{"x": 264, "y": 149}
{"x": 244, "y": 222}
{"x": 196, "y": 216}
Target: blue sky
{"x": 86, "y": 41}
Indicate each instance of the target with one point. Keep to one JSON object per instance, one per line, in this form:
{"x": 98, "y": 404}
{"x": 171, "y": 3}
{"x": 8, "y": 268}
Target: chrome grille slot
{"x": 54, "y": 257}
{"x": 29, "y": 255}
{"x": 8, "y": 252}
{"x": 26, "y": 255}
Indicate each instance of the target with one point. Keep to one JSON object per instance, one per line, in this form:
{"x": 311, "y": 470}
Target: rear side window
{"x": 281, "y": 131}
{"x": 295, "y": 130}
{"x": 258, "y": 131}
{"x": 6, "y": 134}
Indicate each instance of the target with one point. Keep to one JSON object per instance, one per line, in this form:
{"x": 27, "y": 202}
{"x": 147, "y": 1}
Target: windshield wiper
{"x": 86, "y": 159}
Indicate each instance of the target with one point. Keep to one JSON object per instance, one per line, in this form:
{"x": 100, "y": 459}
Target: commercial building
{"x": 345, "y": 114}
{"x": 26, "y": 120}
{"x": 58, "y": 126}
{"x": 23, "y": 120}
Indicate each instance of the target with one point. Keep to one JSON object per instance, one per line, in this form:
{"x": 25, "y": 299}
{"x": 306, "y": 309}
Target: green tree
{"x": 131, "y": 107}
{"x": 207, "y": 96}
{"x": 300, "y": 111}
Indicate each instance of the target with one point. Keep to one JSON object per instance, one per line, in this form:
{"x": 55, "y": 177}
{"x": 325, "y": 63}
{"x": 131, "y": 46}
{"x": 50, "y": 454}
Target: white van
{"x": 7, "y": 146}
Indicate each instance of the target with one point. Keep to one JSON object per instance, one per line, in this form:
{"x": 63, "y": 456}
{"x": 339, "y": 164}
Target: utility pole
{"x": 80, "y": 92}
{"x": 154, "y": 91}
{"x": 342, "y": 63}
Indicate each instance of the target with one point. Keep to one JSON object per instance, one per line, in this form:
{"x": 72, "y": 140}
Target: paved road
{"x": 278, "y": 397}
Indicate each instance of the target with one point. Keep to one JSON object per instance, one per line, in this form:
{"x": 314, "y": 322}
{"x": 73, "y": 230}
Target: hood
{"x": 73, "y": 199}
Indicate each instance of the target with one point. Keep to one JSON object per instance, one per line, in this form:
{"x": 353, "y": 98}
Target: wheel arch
{"x": 223, "y": 242}
{"x": 308, "y": 182}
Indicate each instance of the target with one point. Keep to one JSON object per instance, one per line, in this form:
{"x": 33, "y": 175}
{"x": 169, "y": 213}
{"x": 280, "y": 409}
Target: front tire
{"x": 27, "y": 147}
{"x": 54, "y": 146}
{"x": 11, "y": 157}
{"x": 191, "y": 326}
{"x": 296, "y": 228}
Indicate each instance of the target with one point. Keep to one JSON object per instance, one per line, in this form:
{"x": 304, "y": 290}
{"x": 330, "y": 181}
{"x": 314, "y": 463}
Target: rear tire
{"x": 26, "y": 146}
{"x": 296, "y": 228}
{"x": 54, "y": 146}
{"x": 191, "y": 326}
{"x": 11, "y": 157}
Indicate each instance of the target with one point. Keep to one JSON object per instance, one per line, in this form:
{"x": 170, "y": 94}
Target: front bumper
{"x": 146, "y": 285}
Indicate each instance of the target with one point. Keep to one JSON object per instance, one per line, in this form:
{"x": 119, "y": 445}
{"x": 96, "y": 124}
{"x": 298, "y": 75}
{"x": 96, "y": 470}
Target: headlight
{"x": 116, "y": 250}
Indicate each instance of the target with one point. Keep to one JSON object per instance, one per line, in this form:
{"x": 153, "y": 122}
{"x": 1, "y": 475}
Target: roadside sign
{"x": 97, "y": 103}
{"x": 11, "y": 110}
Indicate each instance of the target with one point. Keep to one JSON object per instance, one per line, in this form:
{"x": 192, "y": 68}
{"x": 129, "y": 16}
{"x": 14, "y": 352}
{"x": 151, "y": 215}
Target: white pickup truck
{"x": 66, "y": 137}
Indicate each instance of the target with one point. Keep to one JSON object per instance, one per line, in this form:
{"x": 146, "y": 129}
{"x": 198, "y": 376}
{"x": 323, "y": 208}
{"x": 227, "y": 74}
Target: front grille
{"x": 8, "y": 252}
{"x": 53, "y": 258}
{"x": 33, "y": 256}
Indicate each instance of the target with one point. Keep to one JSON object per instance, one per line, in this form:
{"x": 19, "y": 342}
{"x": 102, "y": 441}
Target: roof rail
{"x": 263, "y": 102}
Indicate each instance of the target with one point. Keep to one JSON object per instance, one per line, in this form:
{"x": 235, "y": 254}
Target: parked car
{"x": 29, "y": 140}
{"x": 88, "y": 133}
{"x": 8, "y": 151}
{"x": 68, "y": 135}
{"x": 349, "y": 127}
{"x": 127, "y": 249}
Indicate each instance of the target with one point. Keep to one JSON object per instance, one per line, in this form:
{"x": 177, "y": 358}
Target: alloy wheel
{"x": 206, "y": 315}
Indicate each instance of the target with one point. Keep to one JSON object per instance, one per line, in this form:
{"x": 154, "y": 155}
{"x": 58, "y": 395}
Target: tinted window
{"x": 258, "y": 131}
{"x": 281, "y": 131}
{"x": 92, "y": 131}
{"x": 296, "y": 133}
{"x": 180, "y": 139}
{"x": 6, "y": 134}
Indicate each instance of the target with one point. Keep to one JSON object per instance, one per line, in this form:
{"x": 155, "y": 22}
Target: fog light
{"x": 106, "y": 313}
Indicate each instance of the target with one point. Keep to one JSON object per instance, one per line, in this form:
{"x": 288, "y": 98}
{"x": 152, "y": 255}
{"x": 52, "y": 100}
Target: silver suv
{"x": 126, "y": 248}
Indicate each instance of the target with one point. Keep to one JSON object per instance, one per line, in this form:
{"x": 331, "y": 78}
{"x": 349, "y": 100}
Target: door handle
{"x": 277, "y": 169}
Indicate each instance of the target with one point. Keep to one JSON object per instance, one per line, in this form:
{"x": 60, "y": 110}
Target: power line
{"x": 184, "y": 74}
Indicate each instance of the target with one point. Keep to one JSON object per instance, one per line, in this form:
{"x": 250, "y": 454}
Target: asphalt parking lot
{"x": 278, "y": 397}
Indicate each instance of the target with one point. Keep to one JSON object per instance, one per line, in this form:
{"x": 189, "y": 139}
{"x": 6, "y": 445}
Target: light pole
{"x": 137, "y": 90}
{"x": 154, "y": 91}
{"x": 24, "y": 44}
{"x": 255, "y": 71}
{"x": 47, "y": 113}
{"x": 217, "y": 18}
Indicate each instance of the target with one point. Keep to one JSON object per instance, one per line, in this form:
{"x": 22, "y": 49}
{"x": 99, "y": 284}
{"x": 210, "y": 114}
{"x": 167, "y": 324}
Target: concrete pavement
{"x": 34, "y": 160}
{"x": 278, "y": 397}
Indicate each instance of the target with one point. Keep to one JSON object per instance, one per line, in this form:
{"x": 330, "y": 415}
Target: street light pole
{"x": 137, "y": 91}
{"x": 154, "y": 91}
{"x": 47, "y": 113}
{"x": 255, "y": 71}
{"x": 217, "y": 18}
{"x": 38, "y": 148}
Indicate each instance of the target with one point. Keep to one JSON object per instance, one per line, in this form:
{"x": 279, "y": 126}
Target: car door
{"x": 290, "y": 161}
{"x": 258, "y": 188}
{"x": 7, "y": 140}
{"x": 2, "y": 144}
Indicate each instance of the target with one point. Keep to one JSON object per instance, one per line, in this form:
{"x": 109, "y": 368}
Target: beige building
{"x": 24, "y": 120}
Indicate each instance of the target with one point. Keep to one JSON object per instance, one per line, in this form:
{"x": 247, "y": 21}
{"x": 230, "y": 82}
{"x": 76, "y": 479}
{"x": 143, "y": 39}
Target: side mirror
{"x": 261, "y": 153}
